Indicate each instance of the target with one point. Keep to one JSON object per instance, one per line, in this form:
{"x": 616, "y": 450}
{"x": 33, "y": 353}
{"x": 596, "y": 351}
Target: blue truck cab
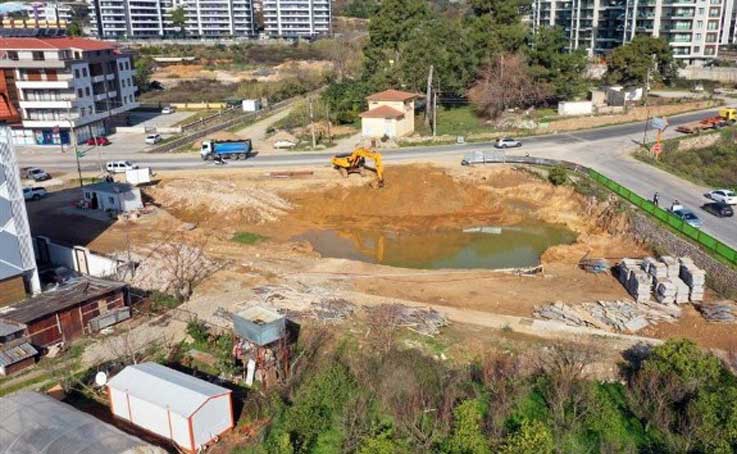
{"x": 216, "y": 149}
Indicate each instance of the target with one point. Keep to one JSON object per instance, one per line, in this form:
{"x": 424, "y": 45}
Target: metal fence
{"x": 705, "y": 240}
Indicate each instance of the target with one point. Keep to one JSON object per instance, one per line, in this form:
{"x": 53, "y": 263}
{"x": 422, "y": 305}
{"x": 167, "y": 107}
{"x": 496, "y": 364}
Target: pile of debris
{"x": 671, "y": 280}
{"x": 719, "y": 312}
{"x": 304, "y": 302}
{"x": 623, "y": 316}
{"x": 424, "y": 321}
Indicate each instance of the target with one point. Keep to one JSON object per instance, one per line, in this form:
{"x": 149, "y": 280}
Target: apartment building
{"x": 54, "y": 12}
{"x": 297, "y": 18}
{"x": 18, "y": 272}
{"x": 66, "y": 86}
{"x": 693, "y": 28}
{"x": 119, "y": 19}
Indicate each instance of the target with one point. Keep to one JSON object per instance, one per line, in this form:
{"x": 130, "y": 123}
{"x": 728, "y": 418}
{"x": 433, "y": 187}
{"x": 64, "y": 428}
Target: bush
{"x": 558, "y": 176}
{"x": 198, "y": 331}
{"x": 247, "y": 238}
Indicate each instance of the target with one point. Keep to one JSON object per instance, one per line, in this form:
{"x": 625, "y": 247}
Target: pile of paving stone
{"x": 623, "y": 316}
{"x": 671, "y": 280}
{"x": 720, "y": 312}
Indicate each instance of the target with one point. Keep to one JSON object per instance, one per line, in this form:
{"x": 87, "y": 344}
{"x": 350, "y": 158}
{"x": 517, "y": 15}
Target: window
{"x": 711, "y": 37}
{"x": 76, "y": 74}
{"x": 111, "y": 200}
{"x": 712, "y": 25}
{"x": 696, "y": 49}
{"x": 698, "y": 36}
{"x": 714, "y": 12}
{"x": 701, "y": 11}
{"x": 80, "y": 93}
{"x": 38, "y": 56}
{"x": 84, "y": 72}
{"x": 77, "y": 55}
{"x": 700, "y": 24}
{"x": 12, "y": 55}
{"x": 87, "y": 90}
{"x": 710, "y": 50}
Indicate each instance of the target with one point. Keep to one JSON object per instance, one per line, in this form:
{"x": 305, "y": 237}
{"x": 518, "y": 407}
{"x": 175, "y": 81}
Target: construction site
{"x": 493, "y": 247}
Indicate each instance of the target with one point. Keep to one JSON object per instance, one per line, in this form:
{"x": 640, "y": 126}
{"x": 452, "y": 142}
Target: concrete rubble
{"x": 719, "y": 312}
{"x": 304, "y": 302}
{"x": 421, "y": 320}
{"x": 623, "y": 316}
{"x": 694, "y": 277}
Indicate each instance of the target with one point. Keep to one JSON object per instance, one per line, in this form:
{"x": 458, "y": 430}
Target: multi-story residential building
{"x": 152, "y": 18}
{"x": 67, "y": 86}
{"x": 297, "y": 18}
{"x": 54, "y": 12}
{"x": 693, "y": 28}
{"x": 18, "y": 272}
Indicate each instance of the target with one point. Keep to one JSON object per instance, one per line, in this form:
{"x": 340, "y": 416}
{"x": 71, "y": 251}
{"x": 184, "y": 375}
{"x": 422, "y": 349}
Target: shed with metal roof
{"x": 34, "y": 423}
{"x": 189, "y": 411}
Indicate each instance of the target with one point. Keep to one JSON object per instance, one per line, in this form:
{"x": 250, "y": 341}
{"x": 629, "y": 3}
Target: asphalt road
{"x": 605, "y": 149}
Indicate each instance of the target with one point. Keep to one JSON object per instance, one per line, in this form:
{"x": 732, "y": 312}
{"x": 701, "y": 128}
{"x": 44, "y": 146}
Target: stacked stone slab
{"x": 665, "y": 291}
{"x": 694, "y": 277}
{"x": 655, "y": 268}
{"x": 624, "y": 268}
{"x": 639, "y": 285}
{"x": 672, "y": 265}
{"x": 683, "y": 292}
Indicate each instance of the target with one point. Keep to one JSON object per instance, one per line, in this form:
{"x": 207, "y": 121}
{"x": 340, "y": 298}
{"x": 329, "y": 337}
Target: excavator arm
{"x": 355, "y": 162}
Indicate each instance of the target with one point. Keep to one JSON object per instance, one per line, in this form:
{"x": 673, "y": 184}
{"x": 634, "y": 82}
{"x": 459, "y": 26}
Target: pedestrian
{"x": 656, "y": 199}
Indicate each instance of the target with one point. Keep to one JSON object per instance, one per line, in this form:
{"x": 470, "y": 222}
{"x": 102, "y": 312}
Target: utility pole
{"x": 73, "y": 137}
{"x": 646, "y": 93}
{"x": 435, "y": 114}
{"x": 327, "y": 114}
{"x": 312, "y": 123}
{"x": 428, "y": 96}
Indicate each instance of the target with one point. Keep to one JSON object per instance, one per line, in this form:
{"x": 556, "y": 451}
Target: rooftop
{"x": 16, "y": 352}
{"x": 393, "y": 95}
{"x": 70, "y": 294}
{"x": 383, "y": 112}
{"x": 54, "y": 43}
{"x": 8, "y": 327}
{"x": 38, "y": 424}
{"x": 166, "y": 388}
{"x": 111, "y": 188}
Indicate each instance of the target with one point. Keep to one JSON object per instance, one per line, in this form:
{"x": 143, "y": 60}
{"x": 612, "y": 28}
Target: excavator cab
{"x": 355, "y": 162}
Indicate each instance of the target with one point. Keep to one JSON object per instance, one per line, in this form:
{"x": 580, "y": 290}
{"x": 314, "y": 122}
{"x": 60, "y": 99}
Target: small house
{"x": 81, "y": 306}
{"x": 39, "y": 424}
{"x": 181, "y": 408}
{"x": 390, "y": 113}
{"x": 111, "y": 196}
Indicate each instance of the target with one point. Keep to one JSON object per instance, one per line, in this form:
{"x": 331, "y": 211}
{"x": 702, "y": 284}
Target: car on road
{"x": 34, "y": 193}
{"x": 284, "y": 144}
{"x": 722, "y": 195}
{"x": 99, "y": 141}
{"x": 37, "y": 174}
{"x": 168, "y": 110}
{"x": 688, "y": 217}
{"x": 153, "y": 139}
{"x": 120, "y": 166}
{"x": 718, "y": 209}
{"x": 507, "y": 142}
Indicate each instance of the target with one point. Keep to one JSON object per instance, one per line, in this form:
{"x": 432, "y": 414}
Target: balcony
{"x": 47, "y": 104}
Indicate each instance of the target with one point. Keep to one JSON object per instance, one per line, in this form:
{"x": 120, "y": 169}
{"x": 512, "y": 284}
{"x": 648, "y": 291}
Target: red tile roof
{"x": 392, "y": 95}
{"x": 383, "y": 112}
{"x": 54, "y": 43}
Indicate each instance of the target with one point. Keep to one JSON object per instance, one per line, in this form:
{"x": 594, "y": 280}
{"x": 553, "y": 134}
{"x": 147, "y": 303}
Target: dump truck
{"x": 220, "y": 149}
{"x": 727, "y": 116}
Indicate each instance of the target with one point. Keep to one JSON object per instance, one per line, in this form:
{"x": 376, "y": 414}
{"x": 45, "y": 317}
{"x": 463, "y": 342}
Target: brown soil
{"x": 222, "y": 202}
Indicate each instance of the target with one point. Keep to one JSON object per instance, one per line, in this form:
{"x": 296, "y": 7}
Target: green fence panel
{"x": 675, "y": 222}
{"x": 707, "y": 241}
{"x": 726, "y": 251}
{"x": 636, "y": 199}
{"x": 691, "y": 232}
{"x": 648, "y": 207}
{"x": 661, "y": 214}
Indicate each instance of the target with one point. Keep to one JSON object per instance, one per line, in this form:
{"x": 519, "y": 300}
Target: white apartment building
{"x": 53, "y": 12}
{"x": 65, "y": 83}
{"x": 152, "y": 18}
{"x": 693, "y": 28}
{"x": 297, "y": 18}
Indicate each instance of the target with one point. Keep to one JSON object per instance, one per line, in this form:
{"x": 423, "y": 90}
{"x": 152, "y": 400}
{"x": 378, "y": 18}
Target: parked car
{"x": 168, "y": 110}
{"x": 507, "y": 142}
{"x": 688, "y": 217}
{"x": 718, "y": 209}
{"x": 120, "y": 166}
{"x": 722, "y": 195}
{"x": 35, "y": 193}
{"x": 99, "y": 141}
{"x": 153, "y": 139}
{"x": 37, "y": 174}
{"x": 284, "y": 144}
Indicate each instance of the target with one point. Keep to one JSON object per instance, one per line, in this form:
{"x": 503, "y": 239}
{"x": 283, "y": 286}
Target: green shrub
{"x": 247, "y": 238}
{"x": 558, "y": 175}
{"x": 198, "y": 331}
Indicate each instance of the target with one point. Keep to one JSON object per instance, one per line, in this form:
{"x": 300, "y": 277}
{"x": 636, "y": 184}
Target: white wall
{"x": 211, "y": 420}
{"x": 570, "y": 108}
{"x": 119, "y": 403}
{"x": 60, "y": 255}
{"x": 149, "y": 416}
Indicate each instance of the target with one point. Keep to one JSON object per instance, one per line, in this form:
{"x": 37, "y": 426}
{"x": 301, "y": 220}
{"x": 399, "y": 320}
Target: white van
{"x": 120, "y": 166}
{"x": 152, "y": 139}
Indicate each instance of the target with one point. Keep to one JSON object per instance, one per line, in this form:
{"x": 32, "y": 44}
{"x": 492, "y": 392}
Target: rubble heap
{"x": 623, "y": 316}
{"x": 719, "y": 312}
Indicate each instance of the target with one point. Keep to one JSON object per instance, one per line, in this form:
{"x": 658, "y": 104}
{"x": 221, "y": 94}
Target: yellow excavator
{"x": 356, "y": 163}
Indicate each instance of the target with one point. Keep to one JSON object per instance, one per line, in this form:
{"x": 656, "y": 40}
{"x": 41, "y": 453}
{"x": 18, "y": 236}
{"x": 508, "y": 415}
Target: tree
{"x": 144, "y": 66}
{"x": 363, "y": 9}
{"x": 346, "y": 100}
{"x": 468, "y": 436}
{"x": 496, "y": 27}
{"x": 184, "y": 265}
{"x": 504, "y": 84}
{"x": 179, "y": 19}
{"x": 529, "y": 437}
{"x": 630, "y": 64}
{"x": 552, "y": 64}
{"x": 74, "y": 29}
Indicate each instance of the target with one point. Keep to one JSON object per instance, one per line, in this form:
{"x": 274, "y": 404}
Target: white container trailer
{"x": 189, "y": 411}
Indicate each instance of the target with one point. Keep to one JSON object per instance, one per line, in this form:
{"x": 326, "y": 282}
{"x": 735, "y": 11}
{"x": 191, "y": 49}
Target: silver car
{"x": 507, "y": 142}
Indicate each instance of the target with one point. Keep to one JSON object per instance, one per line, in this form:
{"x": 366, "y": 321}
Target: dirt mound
{"x": 410, "y": 192}
{"x": 195, "y": 200}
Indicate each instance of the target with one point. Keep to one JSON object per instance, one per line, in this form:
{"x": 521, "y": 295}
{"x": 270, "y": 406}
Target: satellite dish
{"x": 101, "y": 379}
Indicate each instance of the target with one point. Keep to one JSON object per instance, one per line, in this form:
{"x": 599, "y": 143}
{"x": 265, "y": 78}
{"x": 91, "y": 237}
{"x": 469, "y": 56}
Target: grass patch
{"x": 247, "y": 238}
{"x": 197, "y": 116}
{"x": 454, "y": 121}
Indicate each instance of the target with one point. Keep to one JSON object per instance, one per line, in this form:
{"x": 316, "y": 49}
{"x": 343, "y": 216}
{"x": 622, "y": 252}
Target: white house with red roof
{"x": 391, "y": 114}
{"x": 62, "y": 83}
